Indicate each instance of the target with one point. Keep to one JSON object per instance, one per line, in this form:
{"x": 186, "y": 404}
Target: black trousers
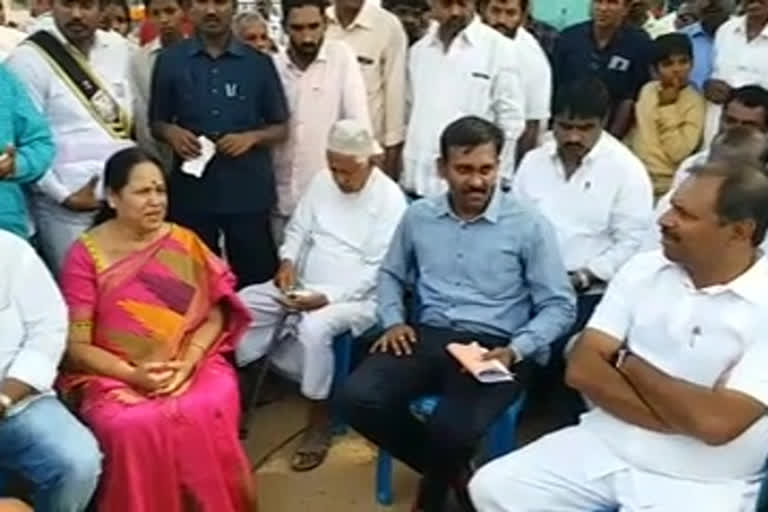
{"x": 376, "y": 396}
{"x": 250, "y": 248}
{"x": 566, "y": 403}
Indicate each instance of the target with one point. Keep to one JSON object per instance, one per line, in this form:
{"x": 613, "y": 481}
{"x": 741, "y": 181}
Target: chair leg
{"x": 384, "y": 478}
{"x": 502, "y": 437}
{"x": 342, "y": 350}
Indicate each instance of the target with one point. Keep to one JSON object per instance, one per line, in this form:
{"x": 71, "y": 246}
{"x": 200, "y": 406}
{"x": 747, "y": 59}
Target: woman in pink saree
{"x": 153, "y": 318}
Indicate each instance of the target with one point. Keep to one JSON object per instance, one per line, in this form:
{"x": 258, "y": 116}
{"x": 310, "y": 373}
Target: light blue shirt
{"x": 703, "y": 45}
{"x": 500, "y": 274}
{"x": 562, "y": 13}
{"x": 23, "y": 126}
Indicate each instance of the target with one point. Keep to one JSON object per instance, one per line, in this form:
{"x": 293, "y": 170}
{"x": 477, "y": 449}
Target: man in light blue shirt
{"x": 26, "y": 151}
{"x": 712, "y": 14}
{"x": 483, "y": 267}
{"x": 562, "y": 13}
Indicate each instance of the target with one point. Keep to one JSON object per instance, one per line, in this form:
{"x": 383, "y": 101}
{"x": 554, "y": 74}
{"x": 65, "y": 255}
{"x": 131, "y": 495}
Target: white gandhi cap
{"x": 351, "y": 137}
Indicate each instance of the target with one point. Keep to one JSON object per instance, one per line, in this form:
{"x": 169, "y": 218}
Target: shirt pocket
{"x": 477, "y": 93}
{"x": 369, "y": 70}
{"x": 496, "y": 273}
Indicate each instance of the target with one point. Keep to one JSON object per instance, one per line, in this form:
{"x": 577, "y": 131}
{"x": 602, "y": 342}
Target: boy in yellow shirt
{"x": 669, "y": 114}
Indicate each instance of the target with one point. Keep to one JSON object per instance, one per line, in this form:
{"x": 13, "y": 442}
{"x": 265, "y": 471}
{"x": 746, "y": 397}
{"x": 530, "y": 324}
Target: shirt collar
{"x": 235, "y": 47}
{"x": 364, "y": 19}
{"x": 750, "y": 285}
{"x": 99, "y": 37}
{"x": 471, "y": 33}
{"x": 593, "y": 153}
{"x": 322, "y": 56}
{"x": 741, "y": 28}
{"x": 695, "y": 30}
{"x": 491, "y": 213}
{"x": 154, "y": 46}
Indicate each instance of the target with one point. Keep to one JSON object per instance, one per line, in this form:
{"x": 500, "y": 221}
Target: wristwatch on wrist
{"x": 5, "y": 403}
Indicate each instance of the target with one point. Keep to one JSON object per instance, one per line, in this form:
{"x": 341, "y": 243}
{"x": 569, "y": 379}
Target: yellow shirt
{"x": 664, "y": 136}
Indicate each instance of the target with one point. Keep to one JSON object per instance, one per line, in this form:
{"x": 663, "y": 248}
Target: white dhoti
{"x": 57, "y": 229}
{"x": 306, "y": 357}
{"x": 572, "y": 470}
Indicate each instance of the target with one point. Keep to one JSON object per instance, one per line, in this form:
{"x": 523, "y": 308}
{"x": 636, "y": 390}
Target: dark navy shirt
{"x": 623, "y": 65}
{"x": 236, "y": 92}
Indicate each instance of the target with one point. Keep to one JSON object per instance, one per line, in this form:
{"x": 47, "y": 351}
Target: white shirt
{"x": 602, "y": 214}
{"x": 479, "y": 75}
{"x": 82, "y": 144}
{"x": 9, "y": 39}
{"x": 738, "y": 62}
{"x": 331, "y": 88}
{"x": 337, "y": 241}
{"x": 708, "y": 336}
{"x": 536, "y": 76}
{"x": 33, "y": 318}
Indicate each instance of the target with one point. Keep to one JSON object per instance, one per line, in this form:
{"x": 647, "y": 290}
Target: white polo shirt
{"x": 536, "y": 76}
{"x": 705, "y": 336}
{"x": 602, "y": 214}
{"x": 479, "y": 75}
{"x": 738, "y": 62}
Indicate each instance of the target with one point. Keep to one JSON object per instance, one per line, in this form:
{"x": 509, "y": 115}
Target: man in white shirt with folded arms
{"x": 40, "y": 441}
{"x": 674, "y": 360}
{"x": 89, "y": 116}
{"x": 334, "y": 244}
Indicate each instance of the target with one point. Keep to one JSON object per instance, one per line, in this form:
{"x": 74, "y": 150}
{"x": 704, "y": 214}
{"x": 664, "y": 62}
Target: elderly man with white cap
{"x": 334, "y": 243}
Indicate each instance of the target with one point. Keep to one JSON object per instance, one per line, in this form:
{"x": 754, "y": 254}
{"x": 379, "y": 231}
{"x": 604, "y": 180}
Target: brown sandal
{"x": 313, "y": 449}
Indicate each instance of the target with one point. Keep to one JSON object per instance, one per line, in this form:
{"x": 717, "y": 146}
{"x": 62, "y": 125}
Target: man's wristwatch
{"x": 5, "y": 404}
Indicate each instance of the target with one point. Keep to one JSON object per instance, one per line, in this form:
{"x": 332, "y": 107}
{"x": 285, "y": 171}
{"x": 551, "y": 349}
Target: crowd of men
{"x": 587, "y": 202}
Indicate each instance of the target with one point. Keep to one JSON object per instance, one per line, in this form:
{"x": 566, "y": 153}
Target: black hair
{"x": 740, "y": 143}
{"x": 584, "y": 98}
{"x": 117, "y": 174}
{"x": 668, "y": 45}
{"x": 470, "y": 132}
{"x": 184, "y": 4}
{"x": 482, "y": 4}
{"x": 415, "y": 4}
{"x": 743, "y": 193}
{"x": 296, "y": 4}
{"x": 123, "y": 4}
{"x": 751, "y": 96}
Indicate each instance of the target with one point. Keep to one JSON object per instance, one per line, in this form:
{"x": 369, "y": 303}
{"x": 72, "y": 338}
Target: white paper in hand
{"x": 196, "y": 167}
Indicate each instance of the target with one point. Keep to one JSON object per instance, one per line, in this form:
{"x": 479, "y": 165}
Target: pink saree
{"x": 178, "y": 453}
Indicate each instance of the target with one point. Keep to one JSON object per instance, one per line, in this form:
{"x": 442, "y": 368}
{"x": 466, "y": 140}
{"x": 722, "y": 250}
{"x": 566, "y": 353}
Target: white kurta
{"x": 337, "y": 242}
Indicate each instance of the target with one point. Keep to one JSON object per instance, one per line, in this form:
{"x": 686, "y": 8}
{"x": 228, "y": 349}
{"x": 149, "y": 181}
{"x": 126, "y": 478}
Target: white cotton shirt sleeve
{"x": 34, "y": 294}
{"x": 536, "y": 75}
{"x": 613, "y": 316}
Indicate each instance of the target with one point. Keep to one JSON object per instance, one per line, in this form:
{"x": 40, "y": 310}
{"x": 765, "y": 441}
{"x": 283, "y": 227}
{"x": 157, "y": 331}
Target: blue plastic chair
{"x": 342, "y": 351}
{"x": 502, "y": 439}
